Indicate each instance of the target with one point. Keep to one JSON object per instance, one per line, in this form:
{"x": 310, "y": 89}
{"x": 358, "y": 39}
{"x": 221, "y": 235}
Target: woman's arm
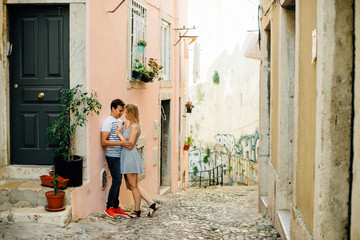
{"x": 123, "y": 141}
{"x": 132, "y": 138}
{"x": 105, "y": 142}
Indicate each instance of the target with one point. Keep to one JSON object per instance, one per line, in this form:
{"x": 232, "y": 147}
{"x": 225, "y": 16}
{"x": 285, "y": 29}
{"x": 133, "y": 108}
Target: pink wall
{"x": 107, "y": 47}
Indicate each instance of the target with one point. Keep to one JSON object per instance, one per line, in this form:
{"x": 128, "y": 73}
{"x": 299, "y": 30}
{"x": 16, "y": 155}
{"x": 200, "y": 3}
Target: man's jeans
{"x": 114, "y": 167}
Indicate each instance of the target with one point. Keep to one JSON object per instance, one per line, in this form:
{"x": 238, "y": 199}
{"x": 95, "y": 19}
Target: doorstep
{"x": 25, "y": 171}
{"x": 37, "y": 215}
{"x": 284, "y": 217}
{"x": 164, "y": 190}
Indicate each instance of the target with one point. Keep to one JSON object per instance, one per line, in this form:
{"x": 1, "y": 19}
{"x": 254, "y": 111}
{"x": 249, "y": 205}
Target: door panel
{"x": 39, "y": 68}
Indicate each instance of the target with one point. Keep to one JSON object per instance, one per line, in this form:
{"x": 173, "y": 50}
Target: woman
{"x": 130, "y": 160}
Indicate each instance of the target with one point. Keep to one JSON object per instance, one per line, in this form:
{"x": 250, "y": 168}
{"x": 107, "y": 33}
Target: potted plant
{"x": 144, "y": 74}
{"x": 141, "y": 44}
{"x": 189, "y": 106}
{"x": 139, "y": 70}
{"x": 77, "y": 105}
{"x": 188, "y": 142}
{"x": 154, "y": 69}
{"x": 55, "y": 198}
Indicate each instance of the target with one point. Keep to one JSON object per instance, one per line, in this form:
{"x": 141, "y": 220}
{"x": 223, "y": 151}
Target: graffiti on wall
{"x": 238, "y": 156}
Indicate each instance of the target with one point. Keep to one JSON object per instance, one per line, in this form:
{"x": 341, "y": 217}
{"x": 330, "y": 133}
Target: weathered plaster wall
{"x": 266, "y": 4}
{"x": 274, "y": 98}
{"x": 77, "y": 13}
{"x": 264, "y": 113}
{"x": 4, "y": 92}
{"x": 284, "y": 174}
{"x": 333, "y": 118}
{"x": 286, "y": 108}
{"x": 306, "y": 106}
{"x": 355, "y": 204}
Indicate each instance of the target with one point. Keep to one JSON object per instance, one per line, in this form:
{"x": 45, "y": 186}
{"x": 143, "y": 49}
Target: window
{"x": 137, "y": 32}
{"x": 141, "y": 151}
{"x": 165, "y": 49}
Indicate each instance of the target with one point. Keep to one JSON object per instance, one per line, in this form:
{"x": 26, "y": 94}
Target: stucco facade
{"x": 99, "y": 59}
{"x": 308, "y": 150}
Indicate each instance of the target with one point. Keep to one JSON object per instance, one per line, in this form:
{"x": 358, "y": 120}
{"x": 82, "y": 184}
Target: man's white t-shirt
{"x": 109, "y": 125}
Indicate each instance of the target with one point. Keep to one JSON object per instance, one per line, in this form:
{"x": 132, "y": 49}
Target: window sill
{"x": 133, "y": 83}
{"x": 166, "y": 84}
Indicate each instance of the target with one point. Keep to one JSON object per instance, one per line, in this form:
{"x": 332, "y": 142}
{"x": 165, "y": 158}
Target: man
{"x": 113, "y": 146}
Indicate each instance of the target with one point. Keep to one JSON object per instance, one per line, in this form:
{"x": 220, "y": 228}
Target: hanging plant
{"x": 188, "y": 142}
{"x": 141, "y": 45}
{"x": 189, "y": 106}
{"x": 216, "y": 77}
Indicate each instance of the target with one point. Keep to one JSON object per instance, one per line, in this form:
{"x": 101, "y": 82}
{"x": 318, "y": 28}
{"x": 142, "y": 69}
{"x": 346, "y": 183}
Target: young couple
{"x": 119, "y": 140}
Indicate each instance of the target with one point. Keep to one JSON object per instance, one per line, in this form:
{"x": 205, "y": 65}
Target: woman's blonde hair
{"x": 133, "y": 110}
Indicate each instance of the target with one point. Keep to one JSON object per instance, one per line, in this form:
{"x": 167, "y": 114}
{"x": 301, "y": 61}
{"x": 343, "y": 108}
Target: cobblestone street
{"x": 212, "y": 213}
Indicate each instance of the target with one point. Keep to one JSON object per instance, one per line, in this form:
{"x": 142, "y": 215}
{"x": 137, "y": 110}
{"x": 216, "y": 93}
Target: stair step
{"x": 26, "y": 193}
{"x": 164, "y": 190}
{"x": 25, "y": 171}
{"x": 37, "y": 215}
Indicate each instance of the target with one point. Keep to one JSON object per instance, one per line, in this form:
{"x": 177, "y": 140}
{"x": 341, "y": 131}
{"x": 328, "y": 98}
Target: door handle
{"x": 41, "y": 95}
{"x": 16, "y": 86}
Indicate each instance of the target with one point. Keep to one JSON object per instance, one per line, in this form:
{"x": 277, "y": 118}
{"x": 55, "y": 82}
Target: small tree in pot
{"x": 77, "y": 105}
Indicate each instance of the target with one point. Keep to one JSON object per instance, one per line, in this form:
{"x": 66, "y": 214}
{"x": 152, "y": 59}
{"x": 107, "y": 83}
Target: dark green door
{"x": 39, "y": 68}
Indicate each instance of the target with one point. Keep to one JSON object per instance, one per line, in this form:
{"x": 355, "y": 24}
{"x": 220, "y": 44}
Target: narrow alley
{"x": 211, "y": 213}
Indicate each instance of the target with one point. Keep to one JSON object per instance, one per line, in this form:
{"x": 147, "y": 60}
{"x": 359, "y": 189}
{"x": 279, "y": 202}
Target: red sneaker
{"x": 120, "y": 212}
{"x": 110, "y": 212}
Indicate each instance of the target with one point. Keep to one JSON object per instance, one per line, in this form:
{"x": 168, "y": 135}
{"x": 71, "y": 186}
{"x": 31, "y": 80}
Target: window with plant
{"x": 137, "y": 34}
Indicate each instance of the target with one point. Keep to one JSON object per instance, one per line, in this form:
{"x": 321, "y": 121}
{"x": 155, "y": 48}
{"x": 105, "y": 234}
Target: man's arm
{"x": 105, "y": 142}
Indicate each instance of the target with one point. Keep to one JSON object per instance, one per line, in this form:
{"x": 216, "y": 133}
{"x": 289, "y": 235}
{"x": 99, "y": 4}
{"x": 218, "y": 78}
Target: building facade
{"x": 93, "y": 43}
{"x": 309, "y": 97}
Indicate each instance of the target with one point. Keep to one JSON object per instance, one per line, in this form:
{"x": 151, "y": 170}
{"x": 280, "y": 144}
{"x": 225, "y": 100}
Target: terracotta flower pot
{"x": 55, "y": 202}
{"x": 186, "y": 147}
{"x": 46, "y": 181}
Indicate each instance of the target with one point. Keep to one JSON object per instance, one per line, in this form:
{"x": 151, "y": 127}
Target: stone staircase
{"x": 22, "y": 197}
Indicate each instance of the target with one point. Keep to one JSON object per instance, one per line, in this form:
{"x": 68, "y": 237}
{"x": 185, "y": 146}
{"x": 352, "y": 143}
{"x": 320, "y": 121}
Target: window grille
{"x": 137, "y": 32}
{"x": 165, "y": 49}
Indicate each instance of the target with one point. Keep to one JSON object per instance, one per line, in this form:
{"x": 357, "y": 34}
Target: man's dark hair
{"x": 115, "y": 103}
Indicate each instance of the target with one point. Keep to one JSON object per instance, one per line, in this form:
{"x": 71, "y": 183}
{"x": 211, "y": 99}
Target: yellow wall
{"x": 274, "y": 107}
{"x": 306, "y": 113}
{"x": 266, "y": 4}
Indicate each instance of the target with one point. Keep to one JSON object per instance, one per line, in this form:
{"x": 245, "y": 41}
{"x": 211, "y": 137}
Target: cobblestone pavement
{"x": 212, "y": 213}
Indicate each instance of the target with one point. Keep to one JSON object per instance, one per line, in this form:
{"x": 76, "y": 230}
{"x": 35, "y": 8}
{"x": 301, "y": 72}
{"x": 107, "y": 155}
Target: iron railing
{"x": 210, "y": 179}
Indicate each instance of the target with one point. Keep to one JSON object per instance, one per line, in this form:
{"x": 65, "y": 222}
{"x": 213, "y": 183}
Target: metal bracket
{"x": 116, "y": 7}
{"x": 184, "y": 34}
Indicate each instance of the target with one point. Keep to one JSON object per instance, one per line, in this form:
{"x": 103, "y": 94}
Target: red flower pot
{"x": 186, "y": 147}
{"x": 55, "y": 202}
